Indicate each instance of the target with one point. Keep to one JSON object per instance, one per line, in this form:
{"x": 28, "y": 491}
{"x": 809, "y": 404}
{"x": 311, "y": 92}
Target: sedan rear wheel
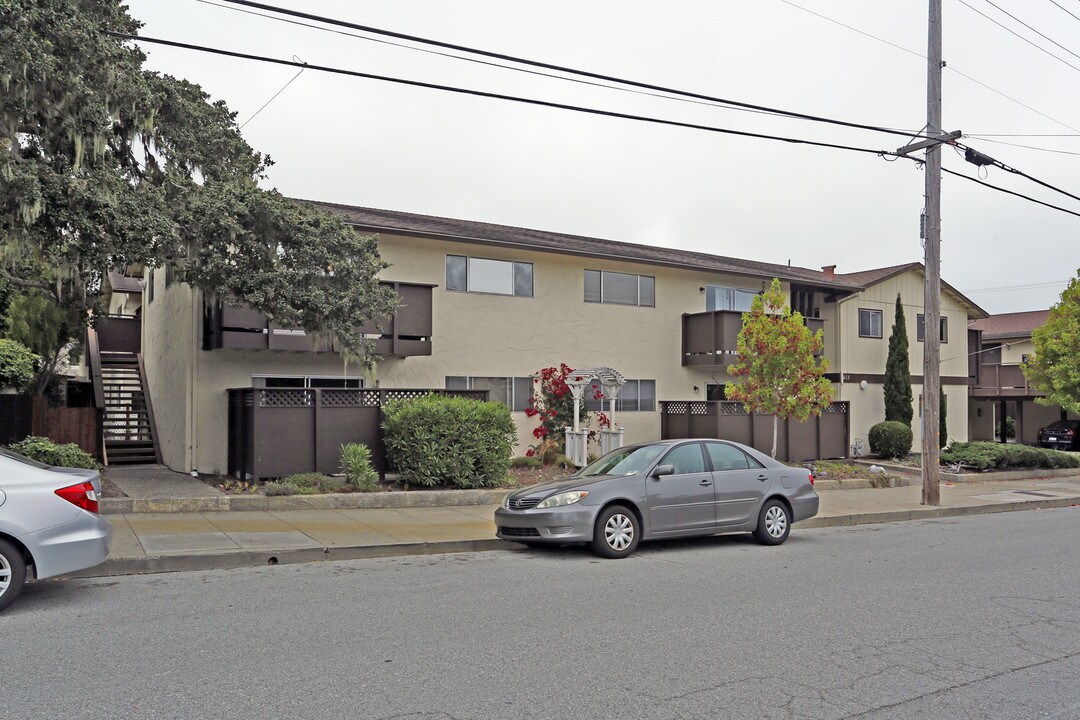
{"x": 774, "y": 523}
{"x": 12, "y": 573}
{"x": 617, "y": 532}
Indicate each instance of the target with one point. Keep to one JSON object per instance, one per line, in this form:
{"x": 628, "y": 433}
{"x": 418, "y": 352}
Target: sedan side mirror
{"x": 662, "y": 470}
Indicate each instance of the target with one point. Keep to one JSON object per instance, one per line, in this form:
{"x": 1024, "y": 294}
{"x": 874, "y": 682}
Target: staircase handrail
{"x": 149, "y": 409}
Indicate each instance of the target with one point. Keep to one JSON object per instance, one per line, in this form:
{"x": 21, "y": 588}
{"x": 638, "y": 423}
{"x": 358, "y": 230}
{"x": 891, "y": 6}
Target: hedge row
{"x": 988, "y": 455}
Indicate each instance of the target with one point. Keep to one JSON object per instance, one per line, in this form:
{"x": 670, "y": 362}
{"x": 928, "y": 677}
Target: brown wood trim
{"x": 880, "y": 379}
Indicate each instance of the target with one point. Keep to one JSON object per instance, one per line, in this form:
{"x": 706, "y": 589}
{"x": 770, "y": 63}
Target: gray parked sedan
{"x": 49, "y": 522}
{"x": 670, "y": 488}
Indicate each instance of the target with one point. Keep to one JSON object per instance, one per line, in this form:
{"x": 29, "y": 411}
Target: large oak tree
{"x": 104, "y": 164}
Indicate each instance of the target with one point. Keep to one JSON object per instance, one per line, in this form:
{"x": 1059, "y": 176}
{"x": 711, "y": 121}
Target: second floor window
{"x": 921, "y": 331}
{"x": 869, "y": 323}
{"x": 617, "y": 288}
{"x": 727, "y": 298}
{"x": 480, "y": 275}
{"x": 514, "y": 392}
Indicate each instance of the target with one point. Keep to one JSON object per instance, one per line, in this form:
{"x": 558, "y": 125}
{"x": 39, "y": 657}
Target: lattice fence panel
{"x": 286, "y": 398}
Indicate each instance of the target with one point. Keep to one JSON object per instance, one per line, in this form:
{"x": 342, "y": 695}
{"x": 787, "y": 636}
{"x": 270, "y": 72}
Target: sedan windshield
{"x": 628, "y": 461}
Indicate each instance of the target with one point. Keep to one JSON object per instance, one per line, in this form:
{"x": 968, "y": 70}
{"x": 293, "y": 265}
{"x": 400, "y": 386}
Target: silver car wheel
{"x": 619, "y": 532}
{"x": 5, "y": 575}
{"x": 776, "y": 521}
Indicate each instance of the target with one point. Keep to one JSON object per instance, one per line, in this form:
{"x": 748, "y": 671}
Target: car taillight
{"x": 82, "y": 495}
{"x": 1070, "y": 432}
{"x": 811, "y": 474}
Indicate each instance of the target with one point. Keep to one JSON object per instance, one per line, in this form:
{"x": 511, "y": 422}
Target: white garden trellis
{"x": 577, "y": 440}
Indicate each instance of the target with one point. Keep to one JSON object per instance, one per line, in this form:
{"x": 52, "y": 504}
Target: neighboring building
{"x": 485, "y": 306}
{"x": 999, "y": 344}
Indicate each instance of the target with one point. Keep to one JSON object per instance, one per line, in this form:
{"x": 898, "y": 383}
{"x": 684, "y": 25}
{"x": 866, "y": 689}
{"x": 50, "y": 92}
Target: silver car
{"x": 670, "y": 488}
{"x": 49, "y": 522}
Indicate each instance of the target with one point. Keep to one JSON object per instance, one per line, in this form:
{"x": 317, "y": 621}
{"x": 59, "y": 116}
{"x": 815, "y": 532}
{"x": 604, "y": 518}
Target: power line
{"x": 1064, "y": 9}
{"x": 487, "y": 63}
{"x": 1046, "y": 37}
{"x": 948, "y": 68}
{"x": 1008, "y": 192}
{"x": 976, "y": 158}
{"x": 301, "y": 72}
{"x": 563, "y": 69}
{"x": 1029, "y": 286}
{"x": 1038, "y": 47}
{"x": 994, "y": 135}
{"x": 983, "y": 138}
{"x": 573, "y": 108}
{"x": 500, "y": 96}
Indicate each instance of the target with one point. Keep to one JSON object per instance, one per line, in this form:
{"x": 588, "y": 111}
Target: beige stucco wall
{"x": 486, "y": 335}
{"x": 851, "y": 355}
{"x": 496, "y": 335}
{"x": 169, "y": 343}
{"x": 1013, "y": 353}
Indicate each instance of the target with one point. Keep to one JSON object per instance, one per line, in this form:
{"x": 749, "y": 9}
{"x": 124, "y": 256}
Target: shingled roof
{"x": 391, "y": 221}
{"x": 470, "y": 231}
{"x": 1010, "y": 325}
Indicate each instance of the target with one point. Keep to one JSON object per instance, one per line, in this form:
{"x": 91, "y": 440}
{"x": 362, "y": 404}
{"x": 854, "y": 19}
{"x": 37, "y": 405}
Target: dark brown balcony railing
{"x": 712, "y": 338}
{"x": 1003, "y": 381}
{"x": 405, "y": 333}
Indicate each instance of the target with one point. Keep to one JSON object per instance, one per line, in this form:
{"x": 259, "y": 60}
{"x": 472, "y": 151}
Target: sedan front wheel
{"x": 617, "y": 532}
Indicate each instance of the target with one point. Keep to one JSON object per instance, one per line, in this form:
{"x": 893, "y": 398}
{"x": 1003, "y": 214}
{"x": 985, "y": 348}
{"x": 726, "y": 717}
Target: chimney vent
{"x": 830, "y": 271}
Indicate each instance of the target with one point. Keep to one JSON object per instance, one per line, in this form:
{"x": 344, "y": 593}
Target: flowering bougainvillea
{"x": 553, "y": 407}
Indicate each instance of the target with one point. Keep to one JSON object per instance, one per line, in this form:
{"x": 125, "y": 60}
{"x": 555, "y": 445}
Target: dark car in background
{"x": 1061, "y": 435}
{"x": 664, "y": 489}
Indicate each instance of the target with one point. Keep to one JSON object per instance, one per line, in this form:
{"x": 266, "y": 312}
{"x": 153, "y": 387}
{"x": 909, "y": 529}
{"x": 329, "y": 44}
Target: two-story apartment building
{"x": 999, "y": 344}
{"x": 486, "y": 306}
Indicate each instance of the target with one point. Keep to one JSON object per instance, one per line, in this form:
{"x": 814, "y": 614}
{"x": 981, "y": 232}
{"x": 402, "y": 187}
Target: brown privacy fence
{"x": 277, "y": 432}
{"x": 825, "y": 436}
{"x": 24, "y": 415}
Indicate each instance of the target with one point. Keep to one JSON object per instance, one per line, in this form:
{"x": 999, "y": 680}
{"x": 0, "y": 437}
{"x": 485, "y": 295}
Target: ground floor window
{"x": 306, "y": 381}
{"x": 634, "y": 396}
{"x": 514, "y": 392}
{"x": 715, "y": 391}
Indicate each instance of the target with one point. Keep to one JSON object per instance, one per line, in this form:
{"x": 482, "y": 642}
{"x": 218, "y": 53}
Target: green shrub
{"x": 525, "y": 462}
{"x": 988, "y": 455}
{"x": 450, "y": 441}
{"x": 356, "y": 463}
{"x": 17, "y": 365}
{"x": 306, "y": 484}
{"x": 278, "y": 488}
{"x": 890, "y": 439}
{"x": 46, "y": 451}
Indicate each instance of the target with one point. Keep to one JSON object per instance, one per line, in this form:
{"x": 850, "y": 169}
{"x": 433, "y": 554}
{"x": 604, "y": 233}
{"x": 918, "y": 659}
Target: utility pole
{"x": 931, "y": 453}
{"x": 931, "y": 385}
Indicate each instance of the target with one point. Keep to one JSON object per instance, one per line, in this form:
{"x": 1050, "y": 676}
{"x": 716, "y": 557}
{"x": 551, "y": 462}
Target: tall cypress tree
{"x": 898, "y": 394}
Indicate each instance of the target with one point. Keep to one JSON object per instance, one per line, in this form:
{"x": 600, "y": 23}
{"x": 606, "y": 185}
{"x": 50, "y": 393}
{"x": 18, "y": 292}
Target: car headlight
{"x": 566, "y": 498}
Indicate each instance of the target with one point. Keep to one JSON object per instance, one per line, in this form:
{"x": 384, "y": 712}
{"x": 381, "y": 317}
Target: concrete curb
{"x": 329, "y": 501}
{"x": 258, "y": 558}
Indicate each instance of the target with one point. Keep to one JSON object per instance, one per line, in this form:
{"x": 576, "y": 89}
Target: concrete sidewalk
{"x": 165, "y": 542}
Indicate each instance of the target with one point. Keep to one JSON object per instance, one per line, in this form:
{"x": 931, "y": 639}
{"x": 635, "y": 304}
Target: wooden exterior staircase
{"x": 120, "y": 392}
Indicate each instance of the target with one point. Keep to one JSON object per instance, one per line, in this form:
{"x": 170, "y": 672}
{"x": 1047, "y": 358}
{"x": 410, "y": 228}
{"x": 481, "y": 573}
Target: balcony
{"x": 710, "y": 339}
{"x": 1002, "y": 381}
{"x": 406, "y": 333}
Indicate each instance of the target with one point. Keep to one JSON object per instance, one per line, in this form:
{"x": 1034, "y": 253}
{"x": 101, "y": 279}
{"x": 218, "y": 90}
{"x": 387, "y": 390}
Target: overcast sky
{"x": 376, "y": 144}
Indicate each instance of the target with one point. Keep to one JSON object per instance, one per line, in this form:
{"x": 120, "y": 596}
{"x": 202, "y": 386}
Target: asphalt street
{"x": 971, "y": 617}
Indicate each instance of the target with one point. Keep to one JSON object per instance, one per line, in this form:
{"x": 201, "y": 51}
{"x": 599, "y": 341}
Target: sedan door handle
{"x": 705, "y": 482}
{"x": 762, "y": 478}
